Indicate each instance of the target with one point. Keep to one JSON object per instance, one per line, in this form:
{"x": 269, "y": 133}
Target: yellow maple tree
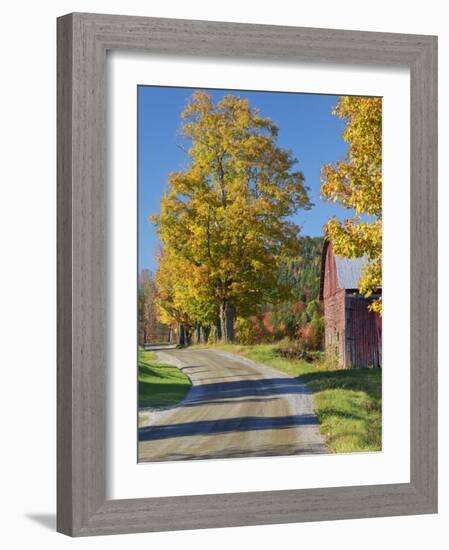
{"x": 356, "y": 183}
{"x": 227, "y": 214}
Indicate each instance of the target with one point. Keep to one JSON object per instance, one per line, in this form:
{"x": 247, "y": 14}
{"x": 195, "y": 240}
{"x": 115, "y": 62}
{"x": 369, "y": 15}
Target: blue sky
{"x": 306, "y": 126}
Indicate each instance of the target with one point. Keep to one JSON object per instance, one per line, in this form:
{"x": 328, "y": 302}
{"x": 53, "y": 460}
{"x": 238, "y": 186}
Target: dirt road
{"x": 235, "y": 408}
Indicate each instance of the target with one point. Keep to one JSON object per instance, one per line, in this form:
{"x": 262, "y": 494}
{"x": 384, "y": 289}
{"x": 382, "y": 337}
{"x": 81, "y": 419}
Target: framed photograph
{"x": 247, "y": 274}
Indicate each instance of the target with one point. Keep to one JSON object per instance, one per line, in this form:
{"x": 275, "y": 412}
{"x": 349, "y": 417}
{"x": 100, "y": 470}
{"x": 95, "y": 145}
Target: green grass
{"x": 347, "y": 402}
{"x": 160, "y": 385}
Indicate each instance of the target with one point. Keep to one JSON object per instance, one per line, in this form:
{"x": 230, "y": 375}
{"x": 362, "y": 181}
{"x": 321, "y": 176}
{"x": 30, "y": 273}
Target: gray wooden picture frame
{"x": 83, "y": 40}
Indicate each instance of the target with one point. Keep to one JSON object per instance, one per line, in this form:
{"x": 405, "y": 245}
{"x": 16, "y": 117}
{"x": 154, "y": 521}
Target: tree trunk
{"x": 181, "y": 335}
{"x": 217, "y": 331}
{"x": 227, "y": 321}
{"x": 188, "y": 337}
{"x": 205, "y": 331}
{"x": 197, "y": 333}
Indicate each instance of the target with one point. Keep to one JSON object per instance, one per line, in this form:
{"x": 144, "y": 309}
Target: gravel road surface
{"x": 235, "y": 408}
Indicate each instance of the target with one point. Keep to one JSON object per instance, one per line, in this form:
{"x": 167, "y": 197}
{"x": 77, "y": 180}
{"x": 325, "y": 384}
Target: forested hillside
{"x": 299, "y": 315}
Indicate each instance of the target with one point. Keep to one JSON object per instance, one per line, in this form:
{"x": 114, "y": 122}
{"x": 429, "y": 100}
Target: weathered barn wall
{"x": 334, "y": 309}
{"x": 334, "y": 324}
{"x": 329, "y": 274}
{"x": 363, "y": 333}
{"x": 353, "y": 331}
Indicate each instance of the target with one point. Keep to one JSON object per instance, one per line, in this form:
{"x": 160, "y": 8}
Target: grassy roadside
{"x": 346, "y": 402}
{"x": 159, "y": 385}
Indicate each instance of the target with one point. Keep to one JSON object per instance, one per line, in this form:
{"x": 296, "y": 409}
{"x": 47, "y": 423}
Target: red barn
{"x": 350, "y": 328}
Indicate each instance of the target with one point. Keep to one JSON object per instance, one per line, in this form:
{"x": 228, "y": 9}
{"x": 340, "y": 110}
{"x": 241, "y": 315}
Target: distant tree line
{"x": 298, "y": 316}
{"x": 150, "y": 329}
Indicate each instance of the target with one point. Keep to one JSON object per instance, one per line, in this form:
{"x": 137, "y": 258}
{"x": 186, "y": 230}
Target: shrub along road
{"x": 236, "y": 407}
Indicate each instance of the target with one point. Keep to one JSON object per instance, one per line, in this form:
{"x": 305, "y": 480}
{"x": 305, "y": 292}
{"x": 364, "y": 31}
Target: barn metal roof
{"x": 349, "y": 271}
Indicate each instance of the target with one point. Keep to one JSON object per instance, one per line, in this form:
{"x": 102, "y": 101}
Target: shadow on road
{"x": 208, "y": 427}
{"x": 268, "y": 387}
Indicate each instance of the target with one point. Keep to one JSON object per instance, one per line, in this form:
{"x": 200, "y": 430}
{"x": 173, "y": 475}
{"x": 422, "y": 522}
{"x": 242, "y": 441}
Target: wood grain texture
{"x": 64, "y": 277}
{"x": 83, "y": 40}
